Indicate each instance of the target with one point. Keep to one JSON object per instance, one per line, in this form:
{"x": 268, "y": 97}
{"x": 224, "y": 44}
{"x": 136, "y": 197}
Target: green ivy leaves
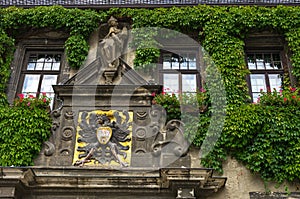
{"x": 23, "y": 130}
{"x": 79, "y": 24}
{"x": 265, "y": 138}
{"x": 76, "y": 48}
{"x": 6, "y": 53}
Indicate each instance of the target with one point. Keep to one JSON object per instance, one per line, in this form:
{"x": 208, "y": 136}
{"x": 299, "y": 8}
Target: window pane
{"x": 31, "y": 83}
{"x": 40, "y": 62}
{"x": 259, "y": 61}
{"x": 30, "y": 66}
{"x": 56, "y": 62}
{"x": 46, "y": 87}
{"x": 183, "y": 63}
{"x": 277, "y": 61}
{"x": 251, "y": 62}
{"x": 268, "y": 61}
{"x": 47, "y": 66}
{"x": 175, "y": 62}
{"x": 167, "y": 61}
{"x": 255, "y": 96}
{"x": 275, "y": 81}
{"x": 171, "y": 83}
{"x": 192, "y": 61}
{"x": 48, "y": 61}
{"x": 44, "y": 62}
{"x": 48, "y": 81}
{"x": 189, "y": 82}
{"x": 39, "y": 66}
{"x": 277, "y": 65}
{"x": 56, "y": 66}
{"x": 258, "y": 82}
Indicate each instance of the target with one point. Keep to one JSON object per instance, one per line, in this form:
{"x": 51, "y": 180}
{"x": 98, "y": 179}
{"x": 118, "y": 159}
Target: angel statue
{"x": 112, "y": 45}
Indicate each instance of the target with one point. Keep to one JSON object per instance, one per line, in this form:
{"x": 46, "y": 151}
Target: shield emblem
{"x": 104, "y": 134}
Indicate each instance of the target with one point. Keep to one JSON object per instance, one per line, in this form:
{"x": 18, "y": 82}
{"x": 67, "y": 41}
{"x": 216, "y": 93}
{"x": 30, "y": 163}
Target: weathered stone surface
{"x": 90, "y": 182}
{"x": 240, "y": 182}
{"x": 273, "y": 195}
{"x": 158, "y": 164}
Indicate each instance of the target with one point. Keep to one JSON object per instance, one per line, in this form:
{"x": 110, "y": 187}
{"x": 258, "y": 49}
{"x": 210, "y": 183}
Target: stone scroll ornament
{"x": 103, "y": 138}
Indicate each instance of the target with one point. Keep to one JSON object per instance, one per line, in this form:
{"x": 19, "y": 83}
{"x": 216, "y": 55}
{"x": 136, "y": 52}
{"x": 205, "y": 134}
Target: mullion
{"x": 180, "y": 82}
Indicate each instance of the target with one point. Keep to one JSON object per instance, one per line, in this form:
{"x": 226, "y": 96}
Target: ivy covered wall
{"x": 264, "y": 136}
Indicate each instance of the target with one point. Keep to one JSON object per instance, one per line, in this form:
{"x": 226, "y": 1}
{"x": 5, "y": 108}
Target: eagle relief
{"x": 103, "y": 138}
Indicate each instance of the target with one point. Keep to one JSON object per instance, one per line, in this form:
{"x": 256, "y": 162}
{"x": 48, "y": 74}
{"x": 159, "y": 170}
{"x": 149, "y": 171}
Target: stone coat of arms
{"x": 104, "y": 137}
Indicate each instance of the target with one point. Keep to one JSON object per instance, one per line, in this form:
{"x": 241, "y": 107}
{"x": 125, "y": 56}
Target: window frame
{"x": 25, "y": 71}
{"x": 268, "y": 41}
{"x": 180, "y": 71}
{"x": 35, "y": 44}
{"x": 265, "y": 71}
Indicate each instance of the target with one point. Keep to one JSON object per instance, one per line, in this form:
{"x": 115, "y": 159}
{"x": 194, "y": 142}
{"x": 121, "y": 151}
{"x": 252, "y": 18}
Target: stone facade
{"x": 109, "y": 140}
{"x": 154, "y": 171}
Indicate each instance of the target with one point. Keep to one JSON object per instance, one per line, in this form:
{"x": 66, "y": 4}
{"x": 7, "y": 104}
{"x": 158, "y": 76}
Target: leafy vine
{"x": 264, "y": 136}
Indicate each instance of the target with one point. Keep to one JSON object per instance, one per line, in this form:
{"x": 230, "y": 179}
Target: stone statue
{"x": 106, "y": 69}
{"x": 112, "y": 45}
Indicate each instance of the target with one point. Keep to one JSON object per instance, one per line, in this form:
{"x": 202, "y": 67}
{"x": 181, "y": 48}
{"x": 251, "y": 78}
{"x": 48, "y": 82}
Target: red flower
{"x": 21, "y": 96}
{"x": 294, "y": 97}
{"x": 153, "y": 94}
{"x": 202, "y": 90}
{"x": 31, "y": 96}
{"x": 28, "y": 104}
{"x": 285, "y": 99}
{"x": 293, "y": 89}
{"x": 44, "y": 100}
{"x": 44, "y": 94}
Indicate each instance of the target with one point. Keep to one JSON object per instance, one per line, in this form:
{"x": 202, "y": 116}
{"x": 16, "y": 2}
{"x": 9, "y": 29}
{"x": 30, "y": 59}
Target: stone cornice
{"x": 91, "y": 180}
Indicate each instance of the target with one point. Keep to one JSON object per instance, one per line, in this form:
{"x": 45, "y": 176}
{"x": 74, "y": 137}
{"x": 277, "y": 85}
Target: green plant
{"x": 264, "y": 136}
{"x": 24, "y": 127}
{"x": 170, "y": 103}
{"x": 284, "y": 97}
{"x": 42, "y": 101}
{"x": 6, "y": 55}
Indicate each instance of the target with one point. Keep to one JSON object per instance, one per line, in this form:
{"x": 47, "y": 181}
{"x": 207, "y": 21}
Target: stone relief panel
{"x": 103, "y": 138}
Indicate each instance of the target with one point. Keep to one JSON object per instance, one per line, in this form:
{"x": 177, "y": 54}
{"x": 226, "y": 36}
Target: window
{"x": 267, "y": 61}
{"x": 40, "y": 71}
{"x": 179, "y": 73}
{"x": 266, "y": 72}
{"x": 38, "y": 63}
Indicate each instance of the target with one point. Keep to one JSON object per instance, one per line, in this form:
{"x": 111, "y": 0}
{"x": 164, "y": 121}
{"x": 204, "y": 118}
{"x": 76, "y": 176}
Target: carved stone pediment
{"x": 93, "y": 75}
